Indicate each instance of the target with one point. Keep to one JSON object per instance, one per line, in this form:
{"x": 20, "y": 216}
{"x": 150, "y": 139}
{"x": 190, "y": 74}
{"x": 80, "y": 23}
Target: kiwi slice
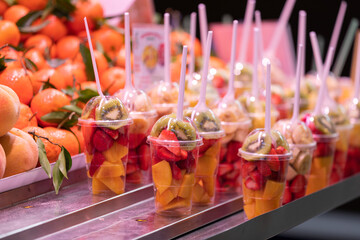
{"x": 160, "y": 125}
{"x": 324, "y": 124}
{"x": 339, "y": 117}
{"x": 110, "y": 110}
{"x": 206, "y": 122}
{"x": 279, "y": 139}
{"x": 259, "y": 143}
{"x": 93, "y": 102}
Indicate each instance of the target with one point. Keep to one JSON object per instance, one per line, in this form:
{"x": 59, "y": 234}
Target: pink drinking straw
{"x": 192, "y": 44}
{"x": 337, "y": 27}
{"x": 255, "y": 80}
{"x": 324, "y": 75}
{"x": 230, "y": 93}
{"x": 302, "y": 39}
{"x": 299, "y": 64}
{"x": 128, "y": 83}
{"x": 316, "y": 52}
{"x": 203, "y": 25}
{"x": 202, "y": 99}
{"x": 180, "y": 110}
{"x": 250, "y": 6}
{"x": 357, "y": 71}
{"x": 280, "y": 27}
{"x": 98, "y": 86}
{"x": 268, "y": 99}
{"x": 167, "y": 47}
{"x": 259, "y": 26}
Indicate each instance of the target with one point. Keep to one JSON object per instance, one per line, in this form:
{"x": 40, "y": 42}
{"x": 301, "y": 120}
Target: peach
{"x": 21, "y": 152}
{"x": 9, "y": 109}
{"x": 2, "y": 162}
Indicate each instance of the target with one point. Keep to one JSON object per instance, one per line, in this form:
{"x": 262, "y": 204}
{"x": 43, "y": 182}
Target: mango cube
{"x": 206, "y": 166}
{"x": 115, "y": 184}
{"x": 263, "y": 206}
{"x": 108, "y": 169}
{"x": 98, "y": 187}
{"x": 162, "y": 176}
{"x": 198, "y": 192}
{"x": 164, "y": 198}
{"x": 186, "y": 186}
{"x": 116, "y": 153}
{"x": 209, "y": 185}
{"x": 250, "y": 210}
{"x": 273, "y": 189}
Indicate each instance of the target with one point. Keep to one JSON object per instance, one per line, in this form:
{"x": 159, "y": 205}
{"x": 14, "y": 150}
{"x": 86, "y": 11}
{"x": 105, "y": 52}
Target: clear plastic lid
{"x": 258, "y": 143}
{"x": 353, "y": 110}
{"x": 296, "y": 133}
{"x": 243, "y": 73}
{"x": 206, "y": 122}
{"x": 164, "y": 93}
{"x": 255, "y": 106}
{"x": 336, "y": 112}
{"x": 137, "y": 102}
{"x": 108, "y": 111}
{"x": 320, "y": 124}
{"x": 331, "y": 82}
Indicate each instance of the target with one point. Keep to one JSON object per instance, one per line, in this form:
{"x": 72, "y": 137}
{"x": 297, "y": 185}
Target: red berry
{"x": 263, "y": 168}
{"x": 232, "y": 152}
{"x": 233, "y": 175}
{"x": 101, "y": 141}
{"x": 175, "y": 145}
{"x": 176, "y": 171}
{"x": 114, "y": 134}
{"x": 287, "y": 196}
{"x": 207, "y": 143}
{"x": 298, "y": 184}
{"x": 97, "y": 160}
{"x": 256, "y": 176}
{"x": 164, "y": 154}
{"x": 144, "y": 157}
{"x": 251, "y": 184}
{"x": 224, "y": 168}
{"x": 133, "y": 157}
{"x": 131, "y": 168}
{"x": 184, "y": 154}
{"x": 135, "y": 139}
{"x": 247, "y": 168}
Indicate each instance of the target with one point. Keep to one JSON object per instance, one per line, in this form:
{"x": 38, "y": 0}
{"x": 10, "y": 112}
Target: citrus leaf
{"x": 28, "y": 19}
{"x": 33, "y": 29}
{"x": 43, "y": 160}
{"x": 63, "y": 8}
{"x": 86, "y": 56}
{"x": 100, "y": 48}
{"x": 68, "y": 159}
{"x": 55, "y": 117}
{"x": 46, "y": 85}
{"x": 62, "y": 163}
{"x": 10, "y": 2}
{"x": 30, "y": 65}
{"x": 86, "y": 94}
{"x": 58, "y": 177}
{"x": 70, "y": 122}
{"x": 73, "y": 108}
{"x": 55, "y": 62}
{"x": 2, "y": 63}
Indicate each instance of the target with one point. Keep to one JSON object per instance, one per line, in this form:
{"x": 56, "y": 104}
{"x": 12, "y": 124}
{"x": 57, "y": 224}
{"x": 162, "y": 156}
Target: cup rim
{"x": 328, "y": 137}
{"x": 286, "y": 155}
{"x": 309, "y": 145}
{"x": 348, "y": 126}
{"x": 212, "y": 135}
{"x": 127, "y": 121}
{"x": 151, "y": 139}
{"x": 148, "y": 114}
{"x": 243, "y": 123}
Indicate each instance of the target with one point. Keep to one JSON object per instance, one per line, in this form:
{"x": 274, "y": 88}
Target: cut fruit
{"x": 108, "y": 169}
{"x": 206, "y": 166}
{"x": 135, "y": 139}
{"x": 247, "y": 168}
{"x": 186, "y": 185}
{"x": 170, "y": 136}
{"x": 114, "y": 134}
{"x": 96, "y": 162}
{"x": 232, "y": 151}
{"x": 134, "y": 177}
{"x": 116, "y": 153}
{"x": 88, "y": 130}
{"x": 249, "y": 210}
{"x": 198, "y": 192}
{"x": 131, "y": 168}
{"x": 224, "y": 168}
{"x": 207, "y": 143}
{"x": 176, "y": 171}
{"x": 287, "y": 196}
{"x": 273, "y": 189}
{"x": 298, "y": 184}
{"x": 263, "y": 206}
{"x": 101, "y": 141}
{"x": 165, "y": 197}
{"x": 165, "y": 154}
{"x": 263, "y": 168}
{"x": 162, "y": 176}
{"x": 209, "y": 185}
{"x": 98, "y": 187}
{"x": 115, "y": 184}
{"x": 177, "y": 203}
{"x": 144, "y": 157}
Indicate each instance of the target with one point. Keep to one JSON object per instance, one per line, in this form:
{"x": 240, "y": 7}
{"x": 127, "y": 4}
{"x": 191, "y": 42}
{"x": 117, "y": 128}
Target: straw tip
{"x": 201, "y": 5}
{"x": 252, "y": 1}
{"x": 302, "y": 13}
{"x": 235, "y": 22}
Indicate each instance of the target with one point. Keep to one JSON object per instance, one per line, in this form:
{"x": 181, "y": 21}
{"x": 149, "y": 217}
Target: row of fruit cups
{"x": 353, "y": 159}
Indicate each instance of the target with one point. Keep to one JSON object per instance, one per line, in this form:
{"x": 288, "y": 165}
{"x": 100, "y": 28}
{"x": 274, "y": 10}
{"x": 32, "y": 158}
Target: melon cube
{"x": 250, "y": 210}
{"x": 206, "y": 166}
{"x": 186, "y": 186}
{"x": 98, "y": 187}
{"x": 273, "y": 189}
{"x": 108, "y": 169}
{"x": 198, "y": 192}
{"x": 116, "y": 153}
{"x": 263, "y": 206}
{"x": 209, "y": 185}
{"x": 115, "y": 184}
{"x": 164, "y": 198}
{"x": 162, "y": 176}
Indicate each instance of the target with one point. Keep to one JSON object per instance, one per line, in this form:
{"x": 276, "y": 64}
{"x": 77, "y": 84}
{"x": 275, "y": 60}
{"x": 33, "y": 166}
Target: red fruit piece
{"x": 184, "y": 154}
{"x": 287, "y": 196}
{"x": 175, "y": 146}
{"x": 135, "y": 139}
{"x": 165, "y": 154}
{"x": 133, "y": 157}
{"x": 232, "y": 152}
{"x": 228, "y": 184}
{"x": 131, "y": 168}
{"x": 223, "y": 152}
{"x": 256, "y": 176}
{"x": 251, "y": 184}
{"x": 114, "y": 134}
{"x": 280, "y": 150}
{"x": 247, "y": 168}
{"x": 298, "y": 184}
{"x": 224, "y": 168}
{"x": 276, "y": 99}
{"x": 88, "y": 131}
{"x": 176, "y": 171}
{"x": 134, "y": 177}
{"x": 207, "y": 143}
{"x": 263, "y": 168}
{"x": 101, "y": 141}
{"x": 233, "y": 175}
{"x": 273, "y": 162}
{"x": 144, "y": 157}
{"x": 299, "y": 194}
{"x": 97, "y": 160}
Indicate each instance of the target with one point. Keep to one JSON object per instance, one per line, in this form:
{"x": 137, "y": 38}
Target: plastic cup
{"x": 258, "y": 119}
{"x": 353, "y": 158}
{"x": 229, "y": 175}
{"x": 322, "y": 162}
{"x": 207, "y": 168}
{"x": 284, "y": 110}
{"x": 262, "y": 189}
{"x": 173, "y": 176}
{"x": 298, "y": 171}
{"x": 341, "y": 151}
{"x": 106, "y": 150}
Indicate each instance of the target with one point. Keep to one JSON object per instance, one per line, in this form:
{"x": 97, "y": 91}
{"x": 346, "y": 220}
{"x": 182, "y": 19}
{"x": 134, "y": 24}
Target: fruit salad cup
{"x": 353, "y": 158}
{"x": 174, "y": 147}
{"x": 302, "y": 146}
{"x": 282, "y": 105}
{"x": 265, "y": 159}
{"x": 243, "y": 78}
{"x": 236, "y": 124}
{"x": 325, "y": 136}
{"x": 144, "y": 116}
{"x": 209, "y": 128}
{"x": 105, "y": 127}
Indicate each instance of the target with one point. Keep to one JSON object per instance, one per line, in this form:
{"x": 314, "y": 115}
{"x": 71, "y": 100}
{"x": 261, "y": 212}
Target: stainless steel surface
{"x": 282, "y": 219}
{"x": 139, "y": 221}
{"x": 49, "y": 212}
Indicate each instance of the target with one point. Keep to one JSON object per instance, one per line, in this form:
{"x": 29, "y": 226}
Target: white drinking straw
{"x": 180, "y": 110}
{"x": 203, "y": 26}
{"x": 249, "y": 12}
{"x": 192, "y": 44}
{"x": 268, "y": 99}
{"x": 302, "y": 39}
{"x": 297, "y": 83}
{"x": 255, "y": 80}
{"x": 167, "y": 47}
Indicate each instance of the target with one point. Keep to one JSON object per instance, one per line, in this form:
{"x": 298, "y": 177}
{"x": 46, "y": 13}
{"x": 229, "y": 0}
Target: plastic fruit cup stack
{"x": 236, "y": 125}
{"x": 174, "y": 146}
{"x": 353, "y": 158}
{"x": 265, "y": 159}
{"x": 144, "y": 116}
{"x": 105, "y": 127}
{"x": 209, "y": 128}
{"x": 302, "y": 146}
{"x": 325, "y": 136}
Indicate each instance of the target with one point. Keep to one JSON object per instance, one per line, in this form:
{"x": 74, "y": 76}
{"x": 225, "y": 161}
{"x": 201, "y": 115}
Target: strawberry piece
{"x": 144, "y": 157}
{"x": 251, "y": 184}
{"x": 114, "y": 134}
{"x": 233, "y": 175}
{"x": 273, "y": 162}
{"x": 131, "y": 168}
{"x": 218, "y": 82}
{"x": 247, "y": 168}
{"x": 135, "y": 139}
{"x": 134, "y": 177}
{"x": 256, "y": 176}
{"x": 164, "y": 154}
{"x": 97, "y": 160}
{"x": 223, "y": 152}
{"x": 88, "y": 131}
{"x": 232, "y": 152}
{"x": 133, "y": 157}
{"x": 263, "y": 169}
{"x": 175, "y": 146}
{"x": 280, "y": 150}
{"x": 276, "y": 99}
{"x": 298, "y": 184}
{"x": 287, "y": 196}
{"x": 299, "y": 194}
{"x": 224, "y": 168}
{"x": 184, "y": 154}
{"x": 176, "y": 171}
{"x": 207, "y": 143}
{"x": 101, "y": 141}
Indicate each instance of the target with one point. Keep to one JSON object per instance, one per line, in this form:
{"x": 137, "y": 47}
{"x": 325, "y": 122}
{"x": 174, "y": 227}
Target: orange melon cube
{"x": 116, "y": 153}
{"x": 108, "y": 169}
{"x": 209, "y": 185}
{"x": 186, "y": 186}
{"x": 164, "y": 198}
{"x": 263, "y": 206}
{"x": 206, "y": 166}
{"x": 162, "y": 176}
{"x": 250, "y": 210}
{"x": 273, "y": 189}
{"x": 98, "y": 187}
{"x": 198, "y": 192}
{"x": 214, "y": 150}
{"x": 115, "y": 184}
{"x": 177, "y": 203}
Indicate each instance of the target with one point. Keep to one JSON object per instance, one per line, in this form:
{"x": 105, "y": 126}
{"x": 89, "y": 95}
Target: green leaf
{"x": 2, "y": 63}
{"x": 86, "y": 94}
{"x": 68, "y": 159}
{"x": 55, "y": 117}
{"x": 55, "y": 62}
{"x": 86, "y": 55}
{"x": 70, "y": 122}
{"x": 43, "y": 160}
{"x": 33, "y": 29}
{"x": 62, "y": 163}
{"x": 73, "y": 108}
{"x": 46, "y": 85}
{"x": 100, "y": 48}
{"x": 30, "y": 65}
{"x": 63, "y": 8}
{"x": 58, "y": 177}
{"x": 28, "y": 19}
{"x": 10, "y": 2}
